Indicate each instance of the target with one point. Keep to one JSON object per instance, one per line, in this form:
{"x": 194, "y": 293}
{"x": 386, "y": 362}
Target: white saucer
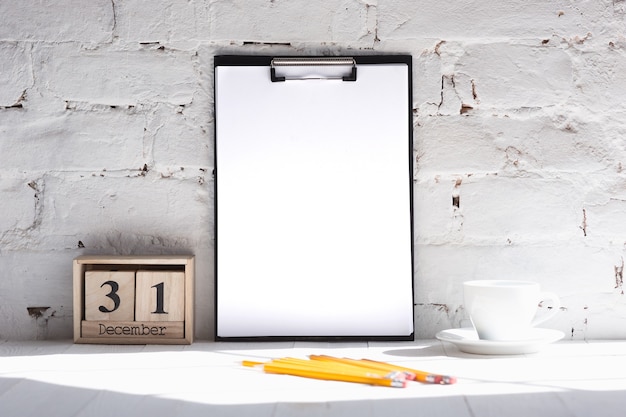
{"x": 467, "y": 341}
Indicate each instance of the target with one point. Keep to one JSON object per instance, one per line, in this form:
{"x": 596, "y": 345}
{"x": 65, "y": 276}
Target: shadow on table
{"x": 417, "y": 351}
{"x": 22, "y": 397}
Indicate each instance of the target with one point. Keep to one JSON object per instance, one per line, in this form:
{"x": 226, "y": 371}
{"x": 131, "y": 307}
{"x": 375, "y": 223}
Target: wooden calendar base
{"x": 133, "y": 331}
{"x": 133, "y": 299}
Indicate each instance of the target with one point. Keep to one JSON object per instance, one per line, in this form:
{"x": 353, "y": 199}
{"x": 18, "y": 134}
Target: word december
{"x": 141, "y": 330}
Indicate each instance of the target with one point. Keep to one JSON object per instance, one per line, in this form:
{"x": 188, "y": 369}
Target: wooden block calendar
{"x": 133, "y": 299}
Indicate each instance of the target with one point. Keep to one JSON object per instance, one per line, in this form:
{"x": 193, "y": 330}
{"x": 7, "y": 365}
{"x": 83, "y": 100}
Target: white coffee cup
{"x": 503, "y": 310}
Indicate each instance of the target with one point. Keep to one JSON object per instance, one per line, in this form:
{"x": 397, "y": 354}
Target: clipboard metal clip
{"x": 313, "y": 68}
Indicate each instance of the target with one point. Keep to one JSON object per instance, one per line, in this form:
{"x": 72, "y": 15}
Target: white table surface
{"x": 59, "y": 378}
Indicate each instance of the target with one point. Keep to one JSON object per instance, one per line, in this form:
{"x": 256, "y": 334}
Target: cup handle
{"x": 555, "y": 304}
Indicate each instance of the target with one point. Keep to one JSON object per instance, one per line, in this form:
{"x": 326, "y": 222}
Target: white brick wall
{"x": 106, "y": 137}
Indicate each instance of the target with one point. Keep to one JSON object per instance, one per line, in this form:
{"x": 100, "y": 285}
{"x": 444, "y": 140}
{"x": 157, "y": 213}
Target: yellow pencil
{"x": 337, "y": 368}
{"x": 309, "y": 370}
{"x": 343, "y": 367}
{"x": 364, "y": 364}
{"x": 411, "y": 374}
{"x": 420, "y": 376}
{"x": 332, "y": 376}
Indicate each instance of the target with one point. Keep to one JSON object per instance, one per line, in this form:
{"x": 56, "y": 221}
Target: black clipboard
{"x": 313, "y": 198}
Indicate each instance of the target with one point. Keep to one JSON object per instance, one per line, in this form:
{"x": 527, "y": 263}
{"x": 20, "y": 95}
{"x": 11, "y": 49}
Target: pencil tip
{"x": 450, "y": 380}
{"x": 444, "y": 379}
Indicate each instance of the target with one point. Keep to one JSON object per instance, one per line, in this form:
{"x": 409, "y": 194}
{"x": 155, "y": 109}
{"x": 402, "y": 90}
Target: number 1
{"x": 159, "y": 299}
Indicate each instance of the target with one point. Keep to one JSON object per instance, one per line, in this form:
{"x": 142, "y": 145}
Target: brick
{"x": 57, "y": 20}
{"x": 16, "y": 73}
{"x": 126, "y": 214}
{"x": 549, "y": 141}
{"x": 495, "y": 210}
{"x": 493, "y": 75}
{"x": 457, "y": 145}
{"x": 162, "y": 22}
{"x": 518, "y": 141}
{"x": 336, "y": 21}
{"x": 600, "y": 75}
{"x": 116, "y": 76}
{"x": 432, "y": 318}
{"x": 36, "y": 279}
{"x": 502, "y": 209}
{"x": 607, "y": 220}
{"x": 427, "y": 80}
{"x": 74, "y": 140}
{"x": 20, "y": 205}
{"x": 484, "y": 19}
{"x": 509, "y": 75}
{"x": 181, "y": 138}
{"x": 433, "y": 212}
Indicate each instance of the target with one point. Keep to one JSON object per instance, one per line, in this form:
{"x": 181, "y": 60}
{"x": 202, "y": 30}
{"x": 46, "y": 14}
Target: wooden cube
{"x": 160, "y": 296}
{"x": 110, "y": 295}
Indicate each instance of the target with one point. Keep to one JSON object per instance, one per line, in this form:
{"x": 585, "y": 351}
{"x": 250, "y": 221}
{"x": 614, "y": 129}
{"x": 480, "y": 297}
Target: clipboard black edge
{"x": 265, "y": 60}
{"x": 377, "y": 338}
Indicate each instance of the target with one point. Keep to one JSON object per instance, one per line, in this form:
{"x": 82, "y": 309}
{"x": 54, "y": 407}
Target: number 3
{"x": 112, "y": 295}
